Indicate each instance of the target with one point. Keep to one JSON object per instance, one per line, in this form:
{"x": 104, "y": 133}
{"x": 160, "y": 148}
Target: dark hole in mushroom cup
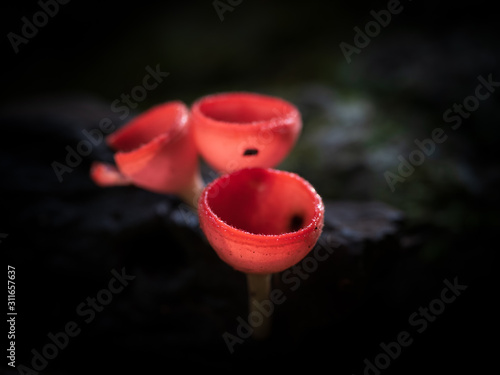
{"x": 250, "y": 152}
{"x": 296, "y": 222}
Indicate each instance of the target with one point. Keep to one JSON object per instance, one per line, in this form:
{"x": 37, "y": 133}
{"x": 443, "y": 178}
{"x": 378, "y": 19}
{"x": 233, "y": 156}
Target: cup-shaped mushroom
{"x": 154, "y": 151}
{"x": 239, "y": 130}
{"x": 260, "y": 220}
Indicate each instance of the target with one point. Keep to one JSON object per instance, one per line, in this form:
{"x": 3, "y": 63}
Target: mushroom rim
{"x": 288, "y": 118}
{"x": 178, "y": 126}
{"x": 275, "y": 240}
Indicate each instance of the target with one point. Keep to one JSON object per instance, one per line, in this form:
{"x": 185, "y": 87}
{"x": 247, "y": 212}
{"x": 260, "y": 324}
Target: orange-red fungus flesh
{"x": 155, "y": 150}
{"x": 261, "y": 220}
{"x": 239, "y": 130}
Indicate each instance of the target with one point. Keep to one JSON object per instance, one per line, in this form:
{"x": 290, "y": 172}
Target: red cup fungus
{"x": 154, "y": 151}
{"x": 261, "y": 221}
{"x": 239, "y": 130}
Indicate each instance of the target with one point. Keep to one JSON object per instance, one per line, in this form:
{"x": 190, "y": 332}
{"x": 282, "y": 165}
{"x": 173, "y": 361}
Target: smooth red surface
{"x": 251, "y": 218}
{"x": 105, "y": 174}
{"x": 156, "y": 150}
{"x": 228, "y": 124}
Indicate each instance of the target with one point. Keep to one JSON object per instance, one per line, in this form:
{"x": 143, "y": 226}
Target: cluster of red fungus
{"x": 259, "y": 220}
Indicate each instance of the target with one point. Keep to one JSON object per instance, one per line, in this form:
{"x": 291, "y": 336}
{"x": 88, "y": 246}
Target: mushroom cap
{"x": 238, "y": 130}
{"x": 156, "y": 149}
{"x": 261, "y": 220}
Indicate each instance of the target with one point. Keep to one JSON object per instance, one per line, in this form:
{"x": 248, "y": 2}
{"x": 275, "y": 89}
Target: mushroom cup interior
{"x": 162, "y": 119}
{"x": 264, "y": 201}
{"x": 243, "y": 108}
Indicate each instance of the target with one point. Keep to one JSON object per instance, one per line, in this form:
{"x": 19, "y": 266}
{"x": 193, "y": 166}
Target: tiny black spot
{"x": 250, "y": 151}
{"x": 296, "y": 223}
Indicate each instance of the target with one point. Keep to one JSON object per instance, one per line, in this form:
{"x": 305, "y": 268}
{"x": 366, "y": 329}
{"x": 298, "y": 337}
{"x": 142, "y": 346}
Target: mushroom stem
{"x": 191, "y": 194}
{"x": 259, "y": 288}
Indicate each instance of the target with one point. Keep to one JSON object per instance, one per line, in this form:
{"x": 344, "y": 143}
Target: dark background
{"x": 65, "y": 238}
